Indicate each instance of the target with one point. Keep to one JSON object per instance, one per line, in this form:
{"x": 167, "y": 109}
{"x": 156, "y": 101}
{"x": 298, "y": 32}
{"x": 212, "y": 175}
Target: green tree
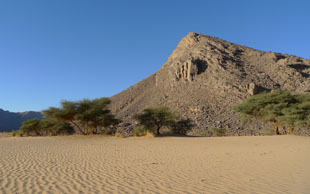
{"x": 53, "y": 127}
{"x": 279, "y": 108}
{"x": 87, "y": 115}
{"x": 296, "y": 115}
{"x": 94, "y": 114}
{"x": 31, "y": 126}
{"x": 66, "y": 113}
{"x": 155, "y": 118}
{"x": 45, "y": 127}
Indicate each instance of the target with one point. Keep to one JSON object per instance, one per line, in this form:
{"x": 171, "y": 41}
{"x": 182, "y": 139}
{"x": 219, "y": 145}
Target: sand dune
{"x": 97, "y": 164}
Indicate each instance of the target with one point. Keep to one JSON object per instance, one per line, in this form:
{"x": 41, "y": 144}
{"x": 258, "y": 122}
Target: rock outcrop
{"x": 205, "y": 77}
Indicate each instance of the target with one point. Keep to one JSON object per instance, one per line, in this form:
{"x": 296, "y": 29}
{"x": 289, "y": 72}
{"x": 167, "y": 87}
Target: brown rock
{"x": 253, "y": 89}
{"x": 205, "y": 71}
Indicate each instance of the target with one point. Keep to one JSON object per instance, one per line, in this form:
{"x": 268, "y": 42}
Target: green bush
{"x": 38, "y": 127}
{"x": 283, "y": 110}
{"x": 139, "y": 131}
{"x": 20, "y": 133}
{"x": 117, "y": 134}
{"x": 13, "y": 133}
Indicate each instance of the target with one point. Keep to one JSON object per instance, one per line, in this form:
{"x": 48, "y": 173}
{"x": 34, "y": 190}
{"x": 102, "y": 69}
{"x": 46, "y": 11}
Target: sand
{"x": 98, "y": 164}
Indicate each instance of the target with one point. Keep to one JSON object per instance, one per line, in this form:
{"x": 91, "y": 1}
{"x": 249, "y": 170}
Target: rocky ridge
{"x": 205, "y": 77}
{"x": 12, "y": 121}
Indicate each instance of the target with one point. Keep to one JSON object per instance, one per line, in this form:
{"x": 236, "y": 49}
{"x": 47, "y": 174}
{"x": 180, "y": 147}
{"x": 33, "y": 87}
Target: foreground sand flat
{"x": 97, "y": 164}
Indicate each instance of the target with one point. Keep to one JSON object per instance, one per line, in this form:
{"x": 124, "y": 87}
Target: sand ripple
{"x": 97, "y": 164}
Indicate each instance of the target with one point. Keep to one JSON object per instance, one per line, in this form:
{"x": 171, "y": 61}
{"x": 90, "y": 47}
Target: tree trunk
{"x": 291, "y": 130}
{"x": 78, "y": 127}
{"x": 275, "y": 128}
{"x": 94, "y": 131}
{"x": 158, "y": 129}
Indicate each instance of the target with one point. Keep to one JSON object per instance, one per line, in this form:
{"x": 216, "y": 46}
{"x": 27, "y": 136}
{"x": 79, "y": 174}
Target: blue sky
{"x": 76, "y": 49}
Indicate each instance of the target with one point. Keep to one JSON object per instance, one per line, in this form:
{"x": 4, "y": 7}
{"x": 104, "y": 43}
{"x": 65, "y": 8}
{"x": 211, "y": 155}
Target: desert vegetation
{"x": 285, "y": 111}
{"x": 152, "y": 120}
{"x": 36, "y": 127}
{"x": 85, "y": 117}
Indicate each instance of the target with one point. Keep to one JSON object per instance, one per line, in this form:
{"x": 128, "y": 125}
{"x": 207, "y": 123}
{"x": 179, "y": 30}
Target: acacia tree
{"x": 279, "y": 108}
{"x": 66, "y": 113}
{"x": 93, "y": 114}
{"x": 53, "y": 127}
{"x": 297, "y": 115}
{"x": 31, "y": 126}
{"x": 86, "y": 115}
{"x": 156, "y": 118}
{"x": 45, "y": 127}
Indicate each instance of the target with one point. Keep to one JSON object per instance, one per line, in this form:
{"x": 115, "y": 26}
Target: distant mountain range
{"x": 10, "y": 121}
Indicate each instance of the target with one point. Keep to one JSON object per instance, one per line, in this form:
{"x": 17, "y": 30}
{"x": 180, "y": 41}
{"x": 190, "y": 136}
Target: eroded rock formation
{"x": 205, "y": 77}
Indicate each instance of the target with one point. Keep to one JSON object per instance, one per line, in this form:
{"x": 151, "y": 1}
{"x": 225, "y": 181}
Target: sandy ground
{"x": 97, "y": 164}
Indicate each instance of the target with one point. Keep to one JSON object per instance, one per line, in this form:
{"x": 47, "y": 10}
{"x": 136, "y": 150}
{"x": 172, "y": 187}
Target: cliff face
{"x": 205, "y": 77}
{"x": 12, "y": 121}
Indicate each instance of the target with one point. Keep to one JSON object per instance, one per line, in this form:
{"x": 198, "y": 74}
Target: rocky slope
{"x": 12, "y": 121}
{"x": 205, "y": 77}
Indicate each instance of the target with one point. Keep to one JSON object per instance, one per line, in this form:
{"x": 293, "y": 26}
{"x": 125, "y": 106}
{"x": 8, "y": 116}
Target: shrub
{"x": 13, "y": 133}
{"x": 45, "y": 127}
{"x": 31, "y": 127}
{"x": 20, "y": 133}
{"x": 117, "y": 134}
{"x": 149, "y": 133}
{"x": 139, "y": 131}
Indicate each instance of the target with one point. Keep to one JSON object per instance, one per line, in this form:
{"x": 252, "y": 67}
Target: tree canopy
{"x": 45, "y": 127}
{"x": 87, "y": 116}
{"x": 279, "y": 108}
{"x": 154, "y": 119}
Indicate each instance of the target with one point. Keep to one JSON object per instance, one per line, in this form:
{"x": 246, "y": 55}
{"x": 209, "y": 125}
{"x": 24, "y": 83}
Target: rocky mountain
{"x": 205, "y": 77}
{"x": 12, "y": 121}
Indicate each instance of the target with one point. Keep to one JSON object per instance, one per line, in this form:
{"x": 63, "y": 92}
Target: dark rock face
{"x": 12, "y": 121}
{"x": 205, "y": 77}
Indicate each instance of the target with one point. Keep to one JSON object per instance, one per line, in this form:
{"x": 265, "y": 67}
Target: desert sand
{"x": 98, "y": 164}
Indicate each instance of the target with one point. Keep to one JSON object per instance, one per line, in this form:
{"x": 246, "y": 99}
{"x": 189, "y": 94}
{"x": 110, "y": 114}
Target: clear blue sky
{"x": 75, "y": 49}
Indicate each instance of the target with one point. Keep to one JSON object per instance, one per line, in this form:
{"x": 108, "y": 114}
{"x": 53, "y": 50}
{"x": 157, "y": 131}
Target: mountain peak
{"x": 205, "y": 77}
